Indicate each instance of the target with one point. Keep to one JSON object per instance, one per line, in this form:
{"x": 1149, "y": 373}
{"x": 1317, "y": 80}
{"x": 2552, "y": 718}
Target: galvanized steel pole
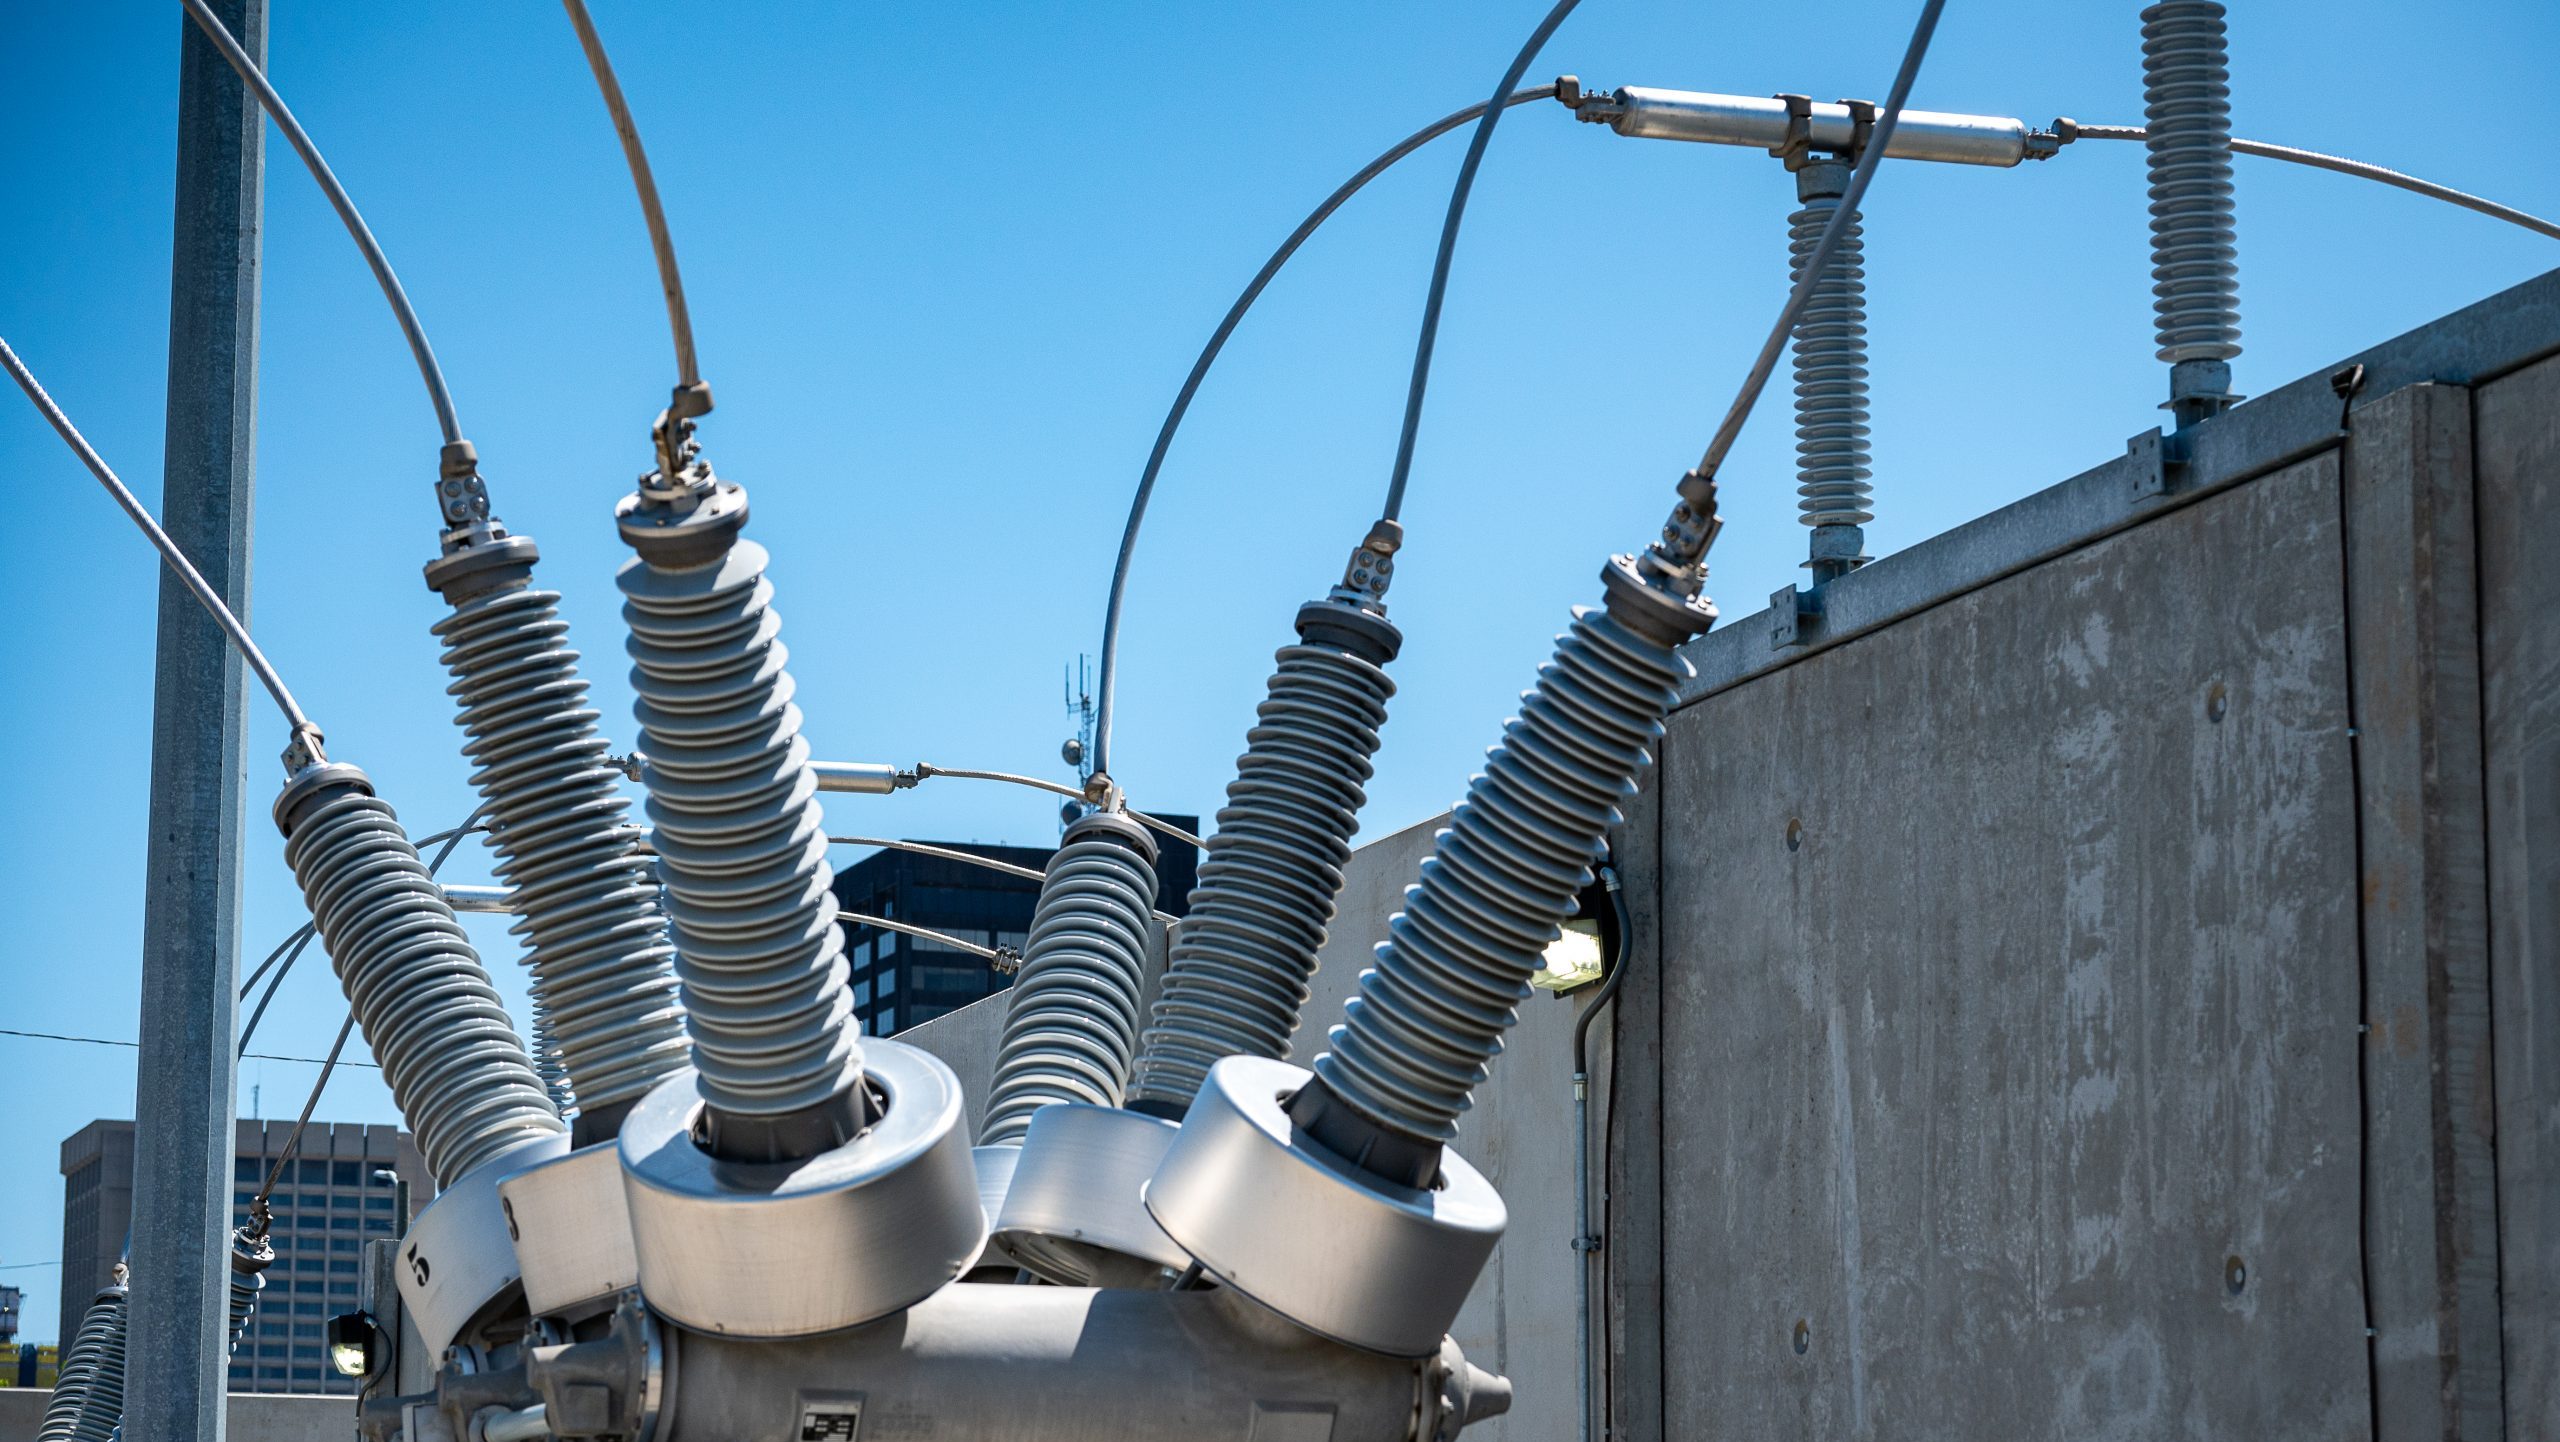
{"x": 199, "y": 758}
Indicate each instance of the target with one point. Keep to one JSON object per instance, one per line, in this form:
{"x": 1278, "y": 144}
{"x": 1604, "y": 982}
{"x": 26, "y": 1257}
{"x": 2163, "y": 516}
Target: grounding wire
{"x": 1109, "y": 671}
{"x": 1816, "y": 264}
{"x": 2361, "y": 169}
{"x": 357, "y": 231}
{"x": 1429, "y": 337}
{"x": 926, "y": 769}
{"x": 204, "y": 593}
{"x": 679, "y": 317}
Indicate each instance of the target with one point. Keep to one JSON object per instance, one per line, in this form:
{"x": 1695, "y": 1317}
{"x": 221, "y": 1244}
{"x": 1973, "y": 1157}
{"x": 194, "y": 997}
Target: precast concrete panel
{"x": 2518, "y": 447}
{"x": 2009, "y": 1004}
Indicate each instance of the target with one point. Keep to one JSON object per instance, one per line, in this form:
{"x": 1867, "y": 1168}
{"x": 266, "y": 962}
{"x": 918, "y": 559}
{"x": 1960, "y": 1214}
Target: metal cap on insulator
{"x": 316, "y": 783}
{"x": 682, "y": 535}
{"x": 1116, "y": 825}
{"x": 474, "y": 565}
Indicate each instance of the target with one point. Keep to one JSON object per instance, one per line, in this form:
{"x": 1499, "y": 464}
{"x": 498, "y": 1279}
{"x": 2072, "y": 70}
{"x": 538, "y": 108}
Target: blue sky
{"x": 948, "y": 265}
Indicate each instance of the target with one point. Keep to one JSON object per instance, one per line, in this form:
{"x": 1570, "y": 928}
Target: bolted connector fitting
{"x": 1372, "y": 568}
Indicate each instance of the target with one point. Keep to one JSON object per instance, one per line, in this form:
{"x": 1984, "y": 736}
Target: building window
{"x": 888, "y": 1020}
{"x": 346, "y": 1244}
{"x": 242, "y": 1199}
{"x": 274, "y": 1349}
{"x": 306, "y": 1329}
{"x": 377, "y": 1204}
{"x": 338, "y": 1266}
{"x": 248, "y": 1169}
{"x": 862, "y": 992}
{"x": 344, "y": 1174}
{"x": 888, "y": 983}
{"x": 309, "y": 1309}
{"x": 344, "y": 1224}
{"x": 304, "y": 1288}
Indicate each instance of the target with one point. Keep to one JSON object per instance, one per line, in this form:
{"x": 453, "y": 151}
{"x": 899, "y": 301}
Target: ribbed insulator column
{"x": 448, "y": 1051}
{"x": 1243, "y": 958}
{"x": 1071, "y": 1018}
{"x": 741, "y": 839}
{"x": 88, "y": 1393}
{"x": 1834, "y": 461}
{"x": 587, "y": 900}
{"x": 1500, "y": 882}
{"x": 2186, "y": 95}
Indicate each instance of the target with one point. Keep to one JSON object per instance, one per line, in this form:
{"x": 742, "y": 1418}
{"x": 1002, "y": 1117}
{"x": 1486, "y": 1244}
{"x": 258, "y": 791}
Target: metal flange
{"x": 1072, "y": 1214}
{"x": 571, "y": 1228}
{"x": 797, "y": 1248}
{"x": 456, "y": 1258}
{"x": 1344, "y": 1254}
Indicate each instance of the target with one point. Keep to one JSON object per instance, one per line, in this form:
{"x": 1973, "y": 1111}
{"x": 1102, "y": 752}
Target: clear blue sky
{"x": 948, "y": 265}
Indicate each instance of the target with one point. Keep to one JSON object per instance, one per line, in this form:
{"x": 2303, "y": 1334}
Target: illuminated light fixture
{"x": 356, "y": 1344}
{"x": 1581, "y": 953}
{"x": 1575, "y": 958}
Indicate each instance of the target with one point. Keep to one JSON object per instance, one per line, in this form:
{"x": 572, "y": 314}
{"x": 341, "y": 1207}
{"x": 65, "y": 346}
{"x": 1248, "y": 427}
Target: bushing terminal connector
{"x": 685, "y": 530}
{"x": 1345, "y": 1254}
{"x": 1071, "y": 1213}
{"x": 862, "y": 1230}
{"x": 479, "y": 560}
{"x": 457, "y": 1264}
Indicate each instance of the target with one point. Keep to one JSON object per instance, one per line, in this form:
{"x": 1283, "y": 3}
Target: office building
{"x": 326, "y": 1205}
{"x": 899, "y": 981}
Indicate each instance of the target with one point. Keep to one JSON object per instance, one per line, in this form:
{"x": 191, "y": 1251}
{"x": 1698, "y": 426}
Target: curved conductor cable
{"x": 926, "y": 769}
{"x": 2070, "y": 130}
{"x": 1004, "y": 958}
{"x": 357, "y": 230}
{"x": 1817, "y": 264}
{"x": 679, "y": 316}
{"x": 1430, "y": 335}
{"x": 306, "y": 736}
{"x": 590, "y": 912}
{"x": 1262, "y": 278}
{"x": 948, "y": 854}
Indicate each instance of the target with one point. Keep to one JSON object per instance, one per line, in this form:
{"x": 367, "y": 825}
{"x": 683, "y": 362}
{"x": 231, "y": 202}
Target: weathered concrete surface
{"x": 1519, "y": 1320}
{"x": 2519, "y": 498}
{"x": 2431, "y": 1219}
{"x": 251, "y": 1416}
{"x": 2009, "y": 1005}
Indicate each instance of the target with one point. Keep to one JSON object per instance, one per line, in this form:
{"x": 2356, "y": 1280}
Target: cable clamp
{"x": 1793, "y": 150}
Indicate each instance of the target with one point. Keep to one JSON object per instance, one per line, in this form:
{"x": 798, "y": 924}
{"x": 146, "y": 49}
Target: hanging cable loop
{"x": 1106, "y": 681}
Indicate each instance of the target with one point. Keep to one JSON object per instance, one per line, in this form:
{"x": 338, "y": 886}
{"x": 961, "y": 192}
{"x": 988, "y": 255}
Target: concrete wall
{"x": 1520, "y": 1319}
{"x": 2098, "y": 977}
{"x": 252, "y": 1416}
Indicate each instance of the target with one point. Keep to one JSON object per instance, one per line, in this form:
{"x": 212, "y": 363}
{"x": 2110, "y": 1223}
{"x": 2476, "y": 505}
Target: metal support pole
{"x": 199, "y": 759}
